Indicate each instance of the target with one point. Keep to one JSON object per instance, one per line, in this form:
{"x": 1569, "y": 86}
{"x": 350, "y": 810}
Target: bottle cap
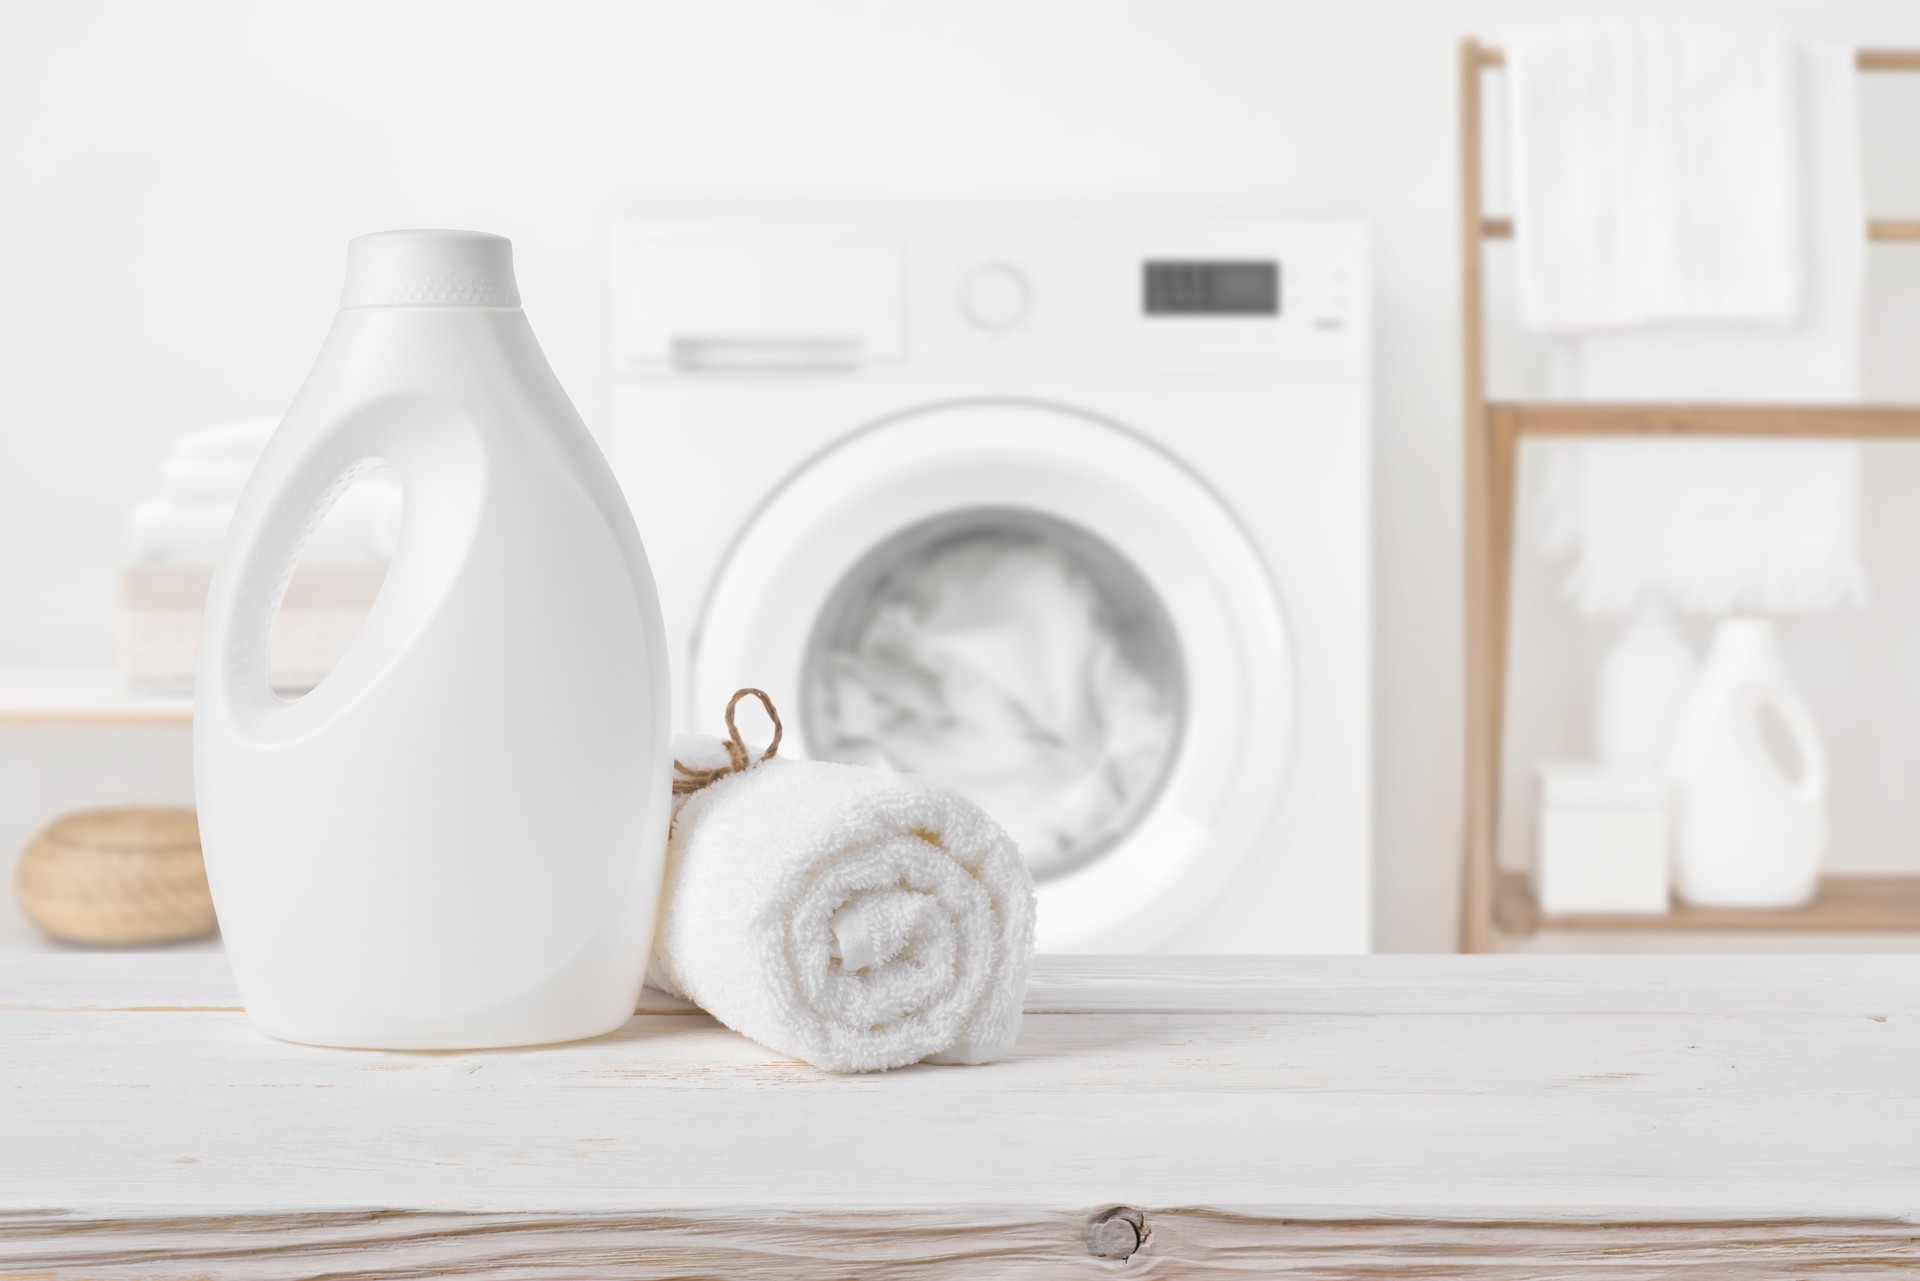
{"x": 430, "y": 269}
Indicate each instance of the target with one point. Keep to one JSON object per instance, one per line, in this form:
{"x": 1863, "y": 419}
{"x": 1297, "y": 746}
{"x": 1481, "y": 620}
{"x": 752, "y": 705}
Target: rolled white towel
{"x": 854, "y": 918}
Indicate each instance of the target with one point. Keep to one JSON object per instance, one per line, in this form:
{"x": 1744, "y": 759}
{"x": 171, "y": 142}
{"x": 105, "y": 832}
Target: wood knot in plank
{"x": 1117, "y": 1234}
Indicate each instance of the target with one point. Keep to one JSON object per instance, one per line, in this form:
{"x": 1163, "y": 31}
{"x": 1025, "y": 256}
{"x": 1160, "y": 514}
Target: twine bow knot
{"x": 688, "y": 780}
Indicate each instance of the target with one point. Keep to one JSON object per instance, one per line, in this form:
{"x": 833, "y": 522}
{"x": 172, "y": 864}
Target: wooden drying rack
{"x": 1494, "y": 902}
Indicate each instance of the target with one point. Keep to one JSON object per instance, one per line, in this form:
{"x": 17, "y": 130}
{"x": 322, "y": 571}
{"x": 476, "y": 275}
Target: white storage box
{"x": 1602, "y": 841}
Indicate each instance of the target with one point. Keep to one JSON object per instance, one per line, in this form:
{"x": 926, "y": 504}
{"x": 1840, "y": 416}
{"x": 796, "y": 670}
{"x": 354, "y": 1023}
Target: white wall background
{"x": 177, "y": 183}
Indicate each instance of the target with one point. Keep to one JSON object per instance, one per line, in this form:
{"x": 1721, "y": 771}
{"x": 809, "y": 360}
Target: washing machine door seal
{"x": 1215, "y": 809}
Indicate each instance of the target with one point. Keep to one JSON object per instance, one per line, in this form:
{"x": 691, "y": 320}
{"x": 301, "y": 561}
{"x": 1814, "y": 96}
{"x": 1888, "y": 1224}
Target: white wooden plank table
{"x": 1484, "y": 1117}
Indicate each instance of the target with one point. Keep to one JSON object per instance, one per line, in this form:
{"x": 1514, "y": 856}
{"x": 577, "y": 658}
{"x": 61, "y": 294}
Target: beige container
{"x": 117, "y": 876}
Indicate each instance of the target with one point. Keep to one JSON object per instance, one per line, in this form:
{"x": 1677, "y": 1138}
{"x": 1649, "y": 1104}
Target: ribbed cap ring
{"x": 430, "y": 269}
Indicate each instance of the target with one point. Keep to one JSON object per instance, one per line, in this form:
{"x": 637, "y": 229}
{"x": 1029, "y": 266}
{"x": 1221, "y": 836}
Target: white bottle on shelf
{"x": 456, "y": 839}
{"x": 1643, "y": 683}
{"x": 1747, "y": 834}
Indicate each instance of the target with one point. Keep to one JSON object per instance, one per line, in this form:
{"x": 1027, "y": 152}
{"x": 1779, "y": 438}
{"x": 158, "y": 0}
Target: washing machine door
{"x": 1048, "y": 612}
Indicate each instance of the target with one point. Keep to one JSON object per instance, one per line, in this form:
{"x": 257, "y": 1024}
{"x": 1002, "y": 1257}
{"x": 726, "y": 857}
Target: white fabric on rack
{"x": 1655, "y": 174}
{"x": 1712, "y": 526}
{"x": 1815, "y": 356}
{"x": 858, "y": 919}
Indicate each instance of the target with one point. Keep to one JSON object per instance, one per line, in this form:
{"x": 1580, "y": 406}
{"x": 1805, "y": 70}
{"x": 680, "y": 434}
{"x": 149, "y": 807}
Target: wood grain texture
{"x": 1194, "y": 1245}
{"x": 1482, "y": 1116}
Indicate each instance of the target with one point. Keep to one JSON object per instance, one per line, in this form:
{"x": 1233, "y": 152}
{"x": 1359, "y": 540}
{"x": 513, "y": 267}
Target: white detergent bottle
{"x": 1643, "y": 683}
{"x": 456, "y": 839}
{"x": 1748, "y": 833}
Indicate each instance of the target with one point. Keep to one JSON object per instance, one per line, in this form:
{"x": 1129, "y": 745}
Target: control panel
{"x": 1212, "y": 288}
{"x": 930, "y": 296}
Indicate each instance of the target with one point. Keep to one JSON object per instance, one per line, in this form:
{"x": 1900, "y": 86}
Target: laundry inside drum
{"x": 1014, "y": 656}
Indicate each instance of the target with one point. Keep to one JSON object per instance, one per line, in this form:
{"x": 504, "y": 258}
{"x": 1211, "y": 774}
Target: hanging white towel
{"x": 1713, "y": 526}
{"x": 1812, "y": 358}
{"x": 1655, "y": 173}
{"x": 858, "y": 919}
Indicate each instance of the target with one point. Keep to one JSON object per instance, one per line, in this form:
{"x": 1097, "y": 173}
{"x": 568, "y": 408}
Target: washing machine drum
{"x": 1051, "y": 615}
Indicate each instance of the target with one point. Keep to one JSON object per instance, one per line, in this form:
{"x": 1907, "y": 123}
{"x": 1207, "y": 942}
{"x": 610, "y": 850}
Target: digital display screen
{"x": 1190, "y": 288}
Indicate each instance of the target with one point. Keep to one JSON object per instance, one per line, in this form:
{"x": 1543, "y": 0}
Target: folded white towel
{"x": 1655, "y": 173}
{"x": 854, "y": 918}
{"x": 180, "y": 533}
{"x": 188, "y": 478}
{"x": 243, "y": 439}
{"x": 363, "y": 526}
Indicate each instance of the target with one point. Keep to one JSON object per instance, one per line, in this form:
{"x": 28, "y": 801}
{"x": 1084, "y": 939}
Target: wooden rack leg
{"x": 1476, "y": 887}
{"x": 1502, "y": 445}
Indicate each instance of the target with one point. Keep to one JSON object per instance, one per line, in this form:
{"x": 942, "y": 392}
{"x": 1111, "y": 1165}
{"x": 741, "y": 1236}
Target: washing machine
{"x": 1070, "y": 513}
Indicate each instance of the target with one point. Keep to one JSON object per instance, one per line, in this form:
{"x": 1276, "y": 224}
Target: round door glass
{"x": 1015, "y": 657}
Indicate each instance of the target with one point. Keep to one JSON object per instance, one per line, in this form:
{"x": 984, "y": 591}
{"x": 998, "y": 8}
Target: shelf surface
{"x": 83, "y": 696}
{"x": 1843, "y": 904}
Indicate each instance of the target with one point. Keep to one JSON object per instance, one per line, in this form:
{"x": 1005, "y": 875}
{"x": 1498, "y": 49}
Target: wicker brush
{"x": 118, "y": 876}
